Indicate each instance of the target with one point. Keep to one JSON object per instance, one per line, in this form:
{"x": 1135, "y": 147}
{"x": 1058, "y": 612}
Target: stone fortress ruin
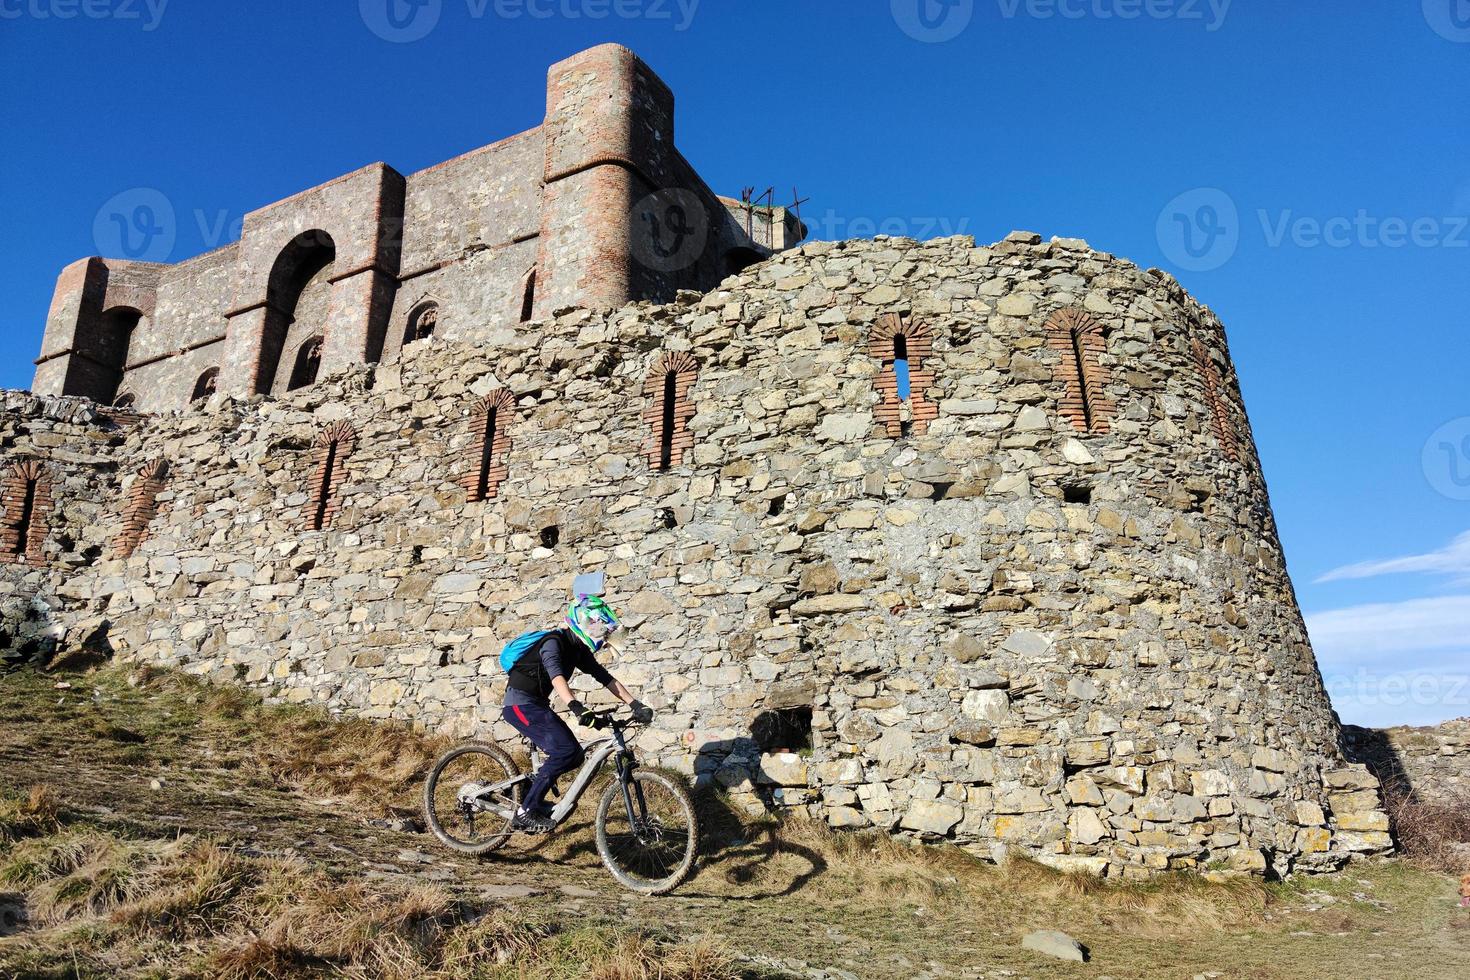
{"x": 595, "y": 207}
{"x": 965, "y": 542}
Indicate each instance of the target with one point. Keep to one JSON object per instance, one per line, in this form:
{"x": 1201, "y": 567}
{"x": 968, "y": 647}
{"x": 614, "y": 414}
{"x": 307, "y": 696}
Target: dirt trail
{"x": 151, "y": 774}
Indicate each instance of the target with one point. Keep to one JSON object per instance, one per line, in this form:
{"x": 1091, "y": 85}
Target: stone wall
{"x": 1433, "y": 762}
{"x": 1010, "y": 625}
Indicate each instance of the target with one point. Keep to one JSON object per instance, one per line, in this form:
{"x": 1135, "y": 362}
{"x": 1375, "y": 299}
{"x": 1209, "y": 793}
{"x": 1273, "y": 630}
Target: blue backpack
{"x": 521, "y": 646}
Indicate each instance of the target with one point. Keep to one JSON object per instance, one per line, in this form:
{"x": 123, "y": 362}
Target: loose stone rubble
{"x": 1003, "y": 631}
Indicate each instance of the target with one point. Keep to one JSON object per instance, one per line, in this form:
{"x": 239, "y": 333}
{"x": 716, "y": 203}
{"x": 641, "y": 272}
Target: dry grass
{"x": 38, "y": 812}
{"x": 875, "y": 863}
{"x": 189, "y": 907}
{"x": 305, "y": 748}
{"x": 1433, "y": 833}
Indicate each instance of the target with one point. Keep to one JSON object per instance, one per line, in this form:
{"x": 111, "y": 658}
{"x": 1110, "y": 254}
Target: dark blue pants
{"x": 551, "y": 735}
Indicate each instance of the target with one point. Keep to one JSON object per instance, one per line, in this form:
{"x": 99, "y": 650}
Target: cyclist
{"x": 545, "y": 670}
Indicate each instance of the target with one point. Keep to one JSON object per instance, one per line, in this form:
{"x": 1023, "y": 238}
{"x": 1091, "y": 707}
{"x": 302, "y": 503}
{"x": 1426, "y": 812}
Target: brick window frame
{"x": 1079, "y": 338}
{"x": 486, "y": 456}
{"x": 26, "y": 503}
{"x": 1209, "y": 374}
{"x": 141, "y": 507}
{"x": 918, "y": 347}
{"x": 669, "y": 408}
{"x": 329, "y": 457}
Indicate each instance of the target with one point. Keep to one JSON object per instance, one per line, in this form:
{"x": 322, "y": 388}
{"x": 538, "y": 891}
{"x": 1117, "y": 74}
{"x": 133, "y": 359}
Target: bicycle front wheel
{"x": 464, "y": 819}
{"x": 650, "y": 850}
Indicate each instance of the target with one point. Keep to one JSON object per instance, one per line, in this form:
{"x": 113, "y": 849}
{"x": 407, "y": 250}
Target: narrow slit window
{"x": 528, "y": 298}
{"x": 666, "y": 441}
{"x": 27, "y": 515}
{"x": 489, "y": 446}
{"x": 668, "y": 409}
{"x": 904, "y": 350}
{"x": 1081, "y": 372}
{"x": 333, "y": 445}
{"x": 324, "y": 488}
{"x": 901, "y": 366}
{"x": 1080, "y": 353}
{"x": 487, "y": 453}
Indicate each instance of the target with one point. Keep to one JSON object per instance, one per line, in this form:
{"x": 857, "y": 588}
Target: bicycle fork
{"x": 633, "y": 799}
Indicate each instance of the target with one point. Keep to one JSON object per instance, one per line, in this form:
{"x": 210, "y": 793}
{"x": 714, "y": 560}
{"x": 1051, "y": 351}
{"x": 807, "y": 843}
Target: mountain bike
{"x": 647, "y": 830}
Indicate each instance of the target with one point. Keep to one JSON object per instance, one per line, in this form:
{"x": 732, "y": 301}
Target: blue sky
{"x": 1302, "y": 167}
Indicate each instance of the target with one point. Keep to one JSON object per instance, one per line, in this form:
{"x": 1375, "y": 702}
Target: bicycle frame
{"x": 598, "y": 752}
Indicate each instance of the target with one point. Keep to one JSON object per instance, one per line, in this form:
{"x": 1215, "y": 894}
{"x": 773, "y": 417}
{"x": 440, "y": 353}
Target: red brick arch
{"x": 333, "y": 445}
{"x": 142, "y": 506}
{"x": 670, "y": 408}
{"x": 485, "y": 457}
{"x": 1078, "y": 337}
{"x": 25, "y": 512}
{"x": 919, "y": 347}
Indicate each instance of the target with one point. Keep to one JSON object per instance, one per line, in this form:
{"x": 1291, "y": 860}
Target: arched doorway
{"x": 298, "y": 303}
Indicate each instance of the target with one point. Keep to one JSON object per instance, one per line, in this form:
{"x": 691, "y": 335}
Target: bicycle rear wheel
{"x": 652, "y": 850}
{"x": 463, "y": 820}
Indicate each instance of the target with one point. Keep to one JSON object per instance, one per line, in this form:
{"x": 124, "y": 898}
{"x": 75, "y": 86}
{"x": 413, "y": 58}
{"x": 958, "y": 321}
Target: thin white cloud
{"x": 1454, "y": 558}
{"x": 1387, "y": 630}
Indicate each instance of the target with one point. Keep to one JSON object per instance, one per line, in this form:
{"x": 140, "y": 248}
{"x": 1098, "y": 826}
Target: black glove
{"x": 642, "y": 713}
{"x": 585, "y": 716}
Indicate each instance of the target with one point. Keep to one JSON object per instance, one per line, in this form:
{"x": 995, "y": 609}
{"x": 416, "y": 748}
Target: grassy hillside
{"x": 151, "y": 826}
